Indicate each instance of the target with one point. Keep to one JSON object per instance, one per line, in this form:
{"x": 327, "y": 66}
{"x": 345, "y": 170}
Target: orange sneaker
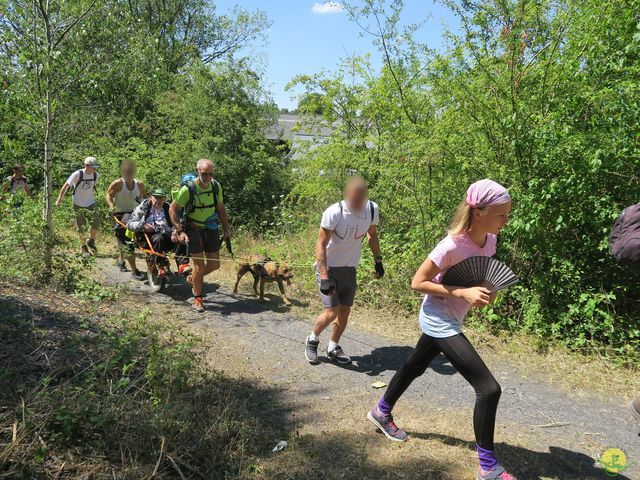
{"x": 184, "y": 269}
{"x": 198, "y": 304}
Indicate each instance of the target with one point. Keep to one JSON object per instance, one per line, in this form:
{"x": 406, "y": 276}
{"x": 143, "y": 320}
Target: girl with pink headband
{"x": 473, "y": 232}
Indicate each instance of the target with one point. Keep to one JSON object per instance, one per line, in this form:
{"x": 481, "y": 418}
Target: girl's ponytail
{"x": 461, "y": 220}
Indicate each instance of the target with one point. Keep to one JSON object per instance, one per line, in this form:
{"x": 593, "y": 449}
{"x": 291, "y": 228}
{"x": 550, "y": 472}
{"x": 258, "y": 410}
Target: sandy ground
{"x": 542, "y": 432}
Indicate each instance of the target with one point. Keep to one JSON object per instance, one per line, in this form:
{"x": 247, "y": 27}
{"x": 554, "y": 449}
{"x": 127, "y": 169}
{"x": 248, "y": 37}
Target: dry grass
{"x": 95, "y": 390}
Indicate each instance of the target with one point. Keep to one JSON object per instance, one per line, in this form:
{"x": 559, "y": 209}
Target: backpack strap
{"x": 14, "y": 181}
{"x": 188, "y": 208}
{"x": 82, "y": 179}
{"x": 371, "y": 209}
{"x": 193, "y": 193}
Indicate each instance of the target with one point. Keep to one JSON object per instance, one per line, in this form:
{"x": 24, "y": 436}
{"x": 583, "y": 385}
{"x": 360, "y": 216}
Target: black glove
{"x": 227, "y": 242}
{"x": 326, "y": 286}
{"x": 379, "y": 269}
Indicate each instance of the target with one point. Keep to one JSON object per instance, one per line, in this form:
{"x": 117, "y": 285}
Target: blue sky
{"x": 308, "y": 36}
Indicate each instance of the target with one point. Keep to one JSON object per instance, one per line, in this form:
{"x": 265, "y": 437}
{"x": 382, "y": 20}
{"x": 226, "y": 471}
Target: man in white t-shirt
{"x": 343, "y": 229}
{"x": 83, "y": 183}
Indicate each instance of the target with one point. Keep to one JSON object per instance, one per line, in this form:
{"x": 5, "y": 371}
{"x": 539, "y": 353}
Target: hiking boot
{"x": 121, "y": 266}
{"x": 634, "y": 406}
{"x": 311, "y": 351}
{"x": 138, "y": 275}
{"x": 496, "y": 473}
{"x": 85, "y": 250}
{"x": 338, "y": 355}
{"x": 91, "y": 246}
{"x": 198, "y": 304}
{"x": 184, "y": 269}
{"x": 386, "y": 425}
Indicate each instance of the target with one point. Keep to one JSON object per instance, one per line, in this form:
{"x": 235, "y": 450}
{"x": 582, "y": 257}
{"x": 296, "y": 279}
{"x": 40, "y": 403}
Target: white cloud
{"x": 327, "y": 7}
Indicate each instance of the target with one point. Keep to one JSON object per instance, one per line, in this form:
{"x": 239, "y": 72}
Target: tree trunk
{"x": 48, "y": 191}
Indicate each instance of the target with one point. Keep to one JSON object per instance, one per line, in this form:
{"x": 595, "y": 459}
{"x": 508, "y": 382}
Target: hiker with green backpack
{"x": 196, "y": 212}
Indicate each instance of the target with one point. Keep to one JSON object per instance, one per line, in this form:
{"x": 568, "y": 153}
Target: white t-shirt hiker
{"x": 83, "y": 195}
{"x": 349, "y": 231}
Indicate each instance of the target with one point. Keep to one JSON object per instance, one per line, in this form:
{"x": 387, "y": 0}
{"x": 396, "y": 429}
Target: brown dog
{"x": 265, "y": 270}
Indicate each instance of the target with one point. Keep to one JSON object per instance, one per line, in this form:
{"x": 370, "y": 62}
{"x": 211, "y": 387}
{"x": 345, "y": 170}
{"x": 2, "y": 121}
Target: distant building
{"x": 292, "y": 126}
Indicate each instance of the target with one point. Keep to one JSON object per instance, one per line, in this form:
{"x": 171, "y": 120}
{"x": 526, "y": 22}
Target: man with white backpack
{"x": 83, "y": 183}
{"x": 344, "y": 228}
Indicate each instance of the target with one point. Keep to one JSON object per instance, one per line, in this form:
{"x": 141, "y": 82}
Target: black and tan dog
{"x": 264, "y": 270}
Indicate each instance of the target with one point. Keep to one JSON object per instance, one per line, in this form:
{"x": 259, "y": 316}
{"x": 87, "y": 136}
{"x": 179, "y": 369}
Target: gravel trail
{"x": 563, "y": 433}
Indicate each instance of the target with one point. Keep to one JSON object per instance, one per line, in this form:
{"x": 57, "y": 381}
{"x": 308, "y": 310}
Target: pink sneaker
{"x": 496, "y": 473}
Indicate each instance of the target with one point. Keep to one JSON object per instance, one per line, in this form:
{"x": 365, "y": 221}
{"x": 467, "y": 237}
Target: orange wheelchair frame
{"x": 144, "y": 245}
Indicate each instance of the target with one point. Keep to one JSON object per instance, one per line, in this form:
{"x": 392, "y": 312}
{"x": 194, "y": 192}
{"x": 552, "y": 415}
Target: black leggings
{"x": 468, "y": 363}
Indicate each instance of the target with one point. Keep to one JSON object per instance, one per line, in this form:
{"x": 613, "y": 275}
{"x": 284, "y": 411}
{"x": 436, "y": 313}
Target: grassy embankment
{"x": 105, "y": 390}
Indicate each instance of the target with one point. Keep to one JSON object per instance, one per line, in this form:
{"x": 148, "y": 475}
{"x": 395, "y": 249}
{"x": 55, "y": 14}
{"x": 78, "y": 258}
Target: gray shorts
{"x": 81, "y": 217}
{"x": 345, "y": 289}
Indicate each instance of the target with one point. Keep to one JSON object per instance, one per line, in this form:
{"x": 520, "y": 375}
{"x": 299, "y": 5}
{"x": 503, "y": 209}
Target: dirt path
{"x": 541, "y": 433}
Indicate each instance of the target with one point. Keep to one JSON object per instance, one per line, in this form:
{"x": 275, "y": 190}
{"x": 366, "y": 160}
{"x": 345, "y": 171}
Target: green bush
{"x": 22, "y": 248}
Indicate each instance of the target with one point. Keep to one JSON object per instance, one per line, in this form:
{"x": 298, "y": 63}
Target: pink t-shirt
{"x": 442, "y": 317}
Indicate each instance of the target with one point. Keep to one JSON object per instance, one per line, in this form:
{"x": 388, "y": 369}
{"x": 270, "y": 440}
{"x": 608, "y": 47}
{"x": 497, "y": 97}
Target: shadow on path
{"x": 528, "y": 464}
{"x": 391, "y": 358}
{"x": 225, "y": 303}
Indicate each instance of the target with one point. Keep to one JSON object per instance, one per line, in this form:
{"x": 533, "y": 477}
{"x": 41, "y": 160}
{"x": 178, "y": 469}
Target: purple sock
{"x": 487, "y": 458}
{"x": 384, "y": 407}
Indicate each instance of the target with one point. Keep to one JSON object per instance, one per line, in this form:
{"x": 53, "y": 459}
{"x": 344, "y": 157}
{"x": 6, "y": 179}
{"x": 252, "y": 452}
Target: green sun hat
{"x": 158, "y": 192}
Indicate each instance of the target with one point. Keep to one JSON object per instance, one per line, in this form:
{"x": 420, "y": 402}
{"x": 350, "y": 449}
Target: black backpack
{"x": 82, "y": 179}
{"x": 624, "y": 241}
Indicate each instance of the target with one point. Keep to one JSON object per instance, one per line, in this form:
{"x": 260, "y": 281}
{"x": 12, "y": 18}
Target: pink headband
{"x": 486, "y": 193}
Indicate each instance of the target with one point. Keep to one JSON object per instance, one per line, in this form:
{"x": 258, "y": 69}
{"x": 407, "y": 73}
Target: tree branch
{"x": 73, "y": 24}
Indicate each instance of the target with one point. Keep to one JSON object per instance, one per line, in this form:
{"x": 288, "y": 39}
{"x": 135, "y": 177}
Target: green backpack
{"x": 188, "y": 180}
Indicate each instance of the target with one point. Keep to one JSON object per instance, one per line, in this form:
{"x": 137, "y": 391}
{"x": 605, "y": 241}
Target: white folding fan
{"x": 485, "y": 272}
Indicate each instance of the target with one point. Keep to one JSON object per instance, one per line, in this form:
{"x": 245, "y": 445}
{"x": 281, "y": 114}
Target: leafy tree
{"x": 541, "y": 96}
{"x": 35, "y": 38}
{"x": 91, "y": 77}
